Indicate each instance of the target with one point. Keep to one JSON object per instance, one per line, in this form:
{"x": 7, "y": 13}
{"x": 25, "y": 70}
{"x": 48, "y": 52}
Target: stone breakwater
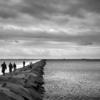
{"x": 24, "y": 84}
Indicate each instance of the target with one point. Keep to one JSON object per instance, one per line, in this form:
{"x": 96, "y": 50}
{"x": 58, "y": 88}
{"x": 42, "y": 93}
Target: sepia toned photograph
{"x": 49, "y": 49}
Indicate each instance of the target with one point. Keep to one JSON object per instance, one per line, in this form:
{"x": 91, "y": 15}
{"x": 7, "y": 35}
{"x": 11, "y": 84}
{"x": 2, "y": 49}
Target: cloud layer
{"x": 50, "y": 28}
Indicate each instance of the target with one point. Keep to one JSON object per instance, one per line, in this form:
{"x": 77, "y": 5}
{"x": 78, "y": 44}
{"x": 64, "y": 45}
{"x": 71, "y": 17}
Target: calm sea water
{"x": 19, "y": 63}
{"x": 78, "y": 78}
{"x": 71, "y": 67}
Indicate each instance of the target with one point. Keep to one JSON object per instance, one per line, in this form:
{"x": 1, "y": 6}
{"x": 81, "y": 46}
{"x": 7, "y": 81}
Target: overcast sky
{"x": 50, "y": 28}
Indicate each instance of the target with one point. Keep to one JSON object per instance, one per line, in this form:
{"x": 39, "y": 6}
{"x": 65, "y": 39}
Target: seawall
{"x": 24, "y": 84}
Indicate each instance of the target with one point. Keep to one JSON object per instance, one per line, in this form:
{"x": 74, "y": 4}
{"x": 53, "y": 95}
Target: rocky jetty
{"x": 24, "y": 84}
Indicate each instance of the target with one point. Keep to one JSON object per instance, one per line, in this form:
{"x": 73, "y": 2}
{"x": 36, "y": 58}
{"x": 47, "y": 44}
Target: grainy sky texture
{"x": 50, "y": 29}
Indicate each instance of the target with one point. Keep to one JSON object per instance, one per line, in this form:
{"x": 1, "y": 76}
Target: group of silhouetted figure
{"x": 11, "y": 67}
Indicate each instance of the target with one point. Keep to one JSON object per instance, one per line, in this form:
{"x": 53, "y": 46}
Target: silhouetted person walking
{"x": 14, "y": 66}
{"x": 30, "y": 64}
{"x": 10, "y": 67}
{"x": 23, "y": 63}
{"x": 4, "y": 67}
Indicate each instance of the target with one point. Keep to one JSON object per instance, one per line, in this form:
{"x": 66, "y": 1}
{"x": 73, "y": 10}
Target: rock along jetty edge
{"x": 24, "y": 84}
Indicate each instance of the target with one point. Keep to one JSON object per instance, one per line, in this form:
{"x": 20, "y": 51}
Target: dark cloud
{"x": 7, "y": 13}
{"x": 91, "y": 5}
{"x": 71, "y": 7}
{"x": 6, "y": 10}
{"x": 32, "y": 7}
{"x": 41, "y": 8}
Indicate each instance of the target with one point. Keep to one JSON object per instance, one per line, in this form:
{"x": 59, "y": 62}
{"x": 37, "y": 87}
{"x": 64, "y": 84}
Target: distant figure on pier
{"x": 4, "y": 67}
{"x": 30, "y": 64}
{"x": 14, "y": 66}
{"x": 10, "y": 67}
{"x": 23, "y": 63}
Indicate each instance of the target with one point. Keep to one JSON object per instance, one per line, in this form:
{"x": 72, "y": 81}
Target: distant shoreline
{"x": 50, "y": 59}
{"x": 68, "y": 60}
{"x": 74, "y": 59}
{"x": 55, "y": 59}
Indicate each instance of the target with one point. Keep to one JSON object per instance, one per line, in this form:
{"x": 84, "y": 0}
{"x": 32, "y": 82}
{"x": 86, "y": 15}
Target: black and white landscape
{"x": 63, "y": 33}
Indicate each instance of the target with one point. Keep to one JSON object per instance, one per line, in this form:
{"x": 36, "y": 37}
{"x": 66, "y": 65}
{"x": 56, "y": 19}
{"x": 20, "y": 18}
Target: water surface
{"x": 72, "y": 78}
